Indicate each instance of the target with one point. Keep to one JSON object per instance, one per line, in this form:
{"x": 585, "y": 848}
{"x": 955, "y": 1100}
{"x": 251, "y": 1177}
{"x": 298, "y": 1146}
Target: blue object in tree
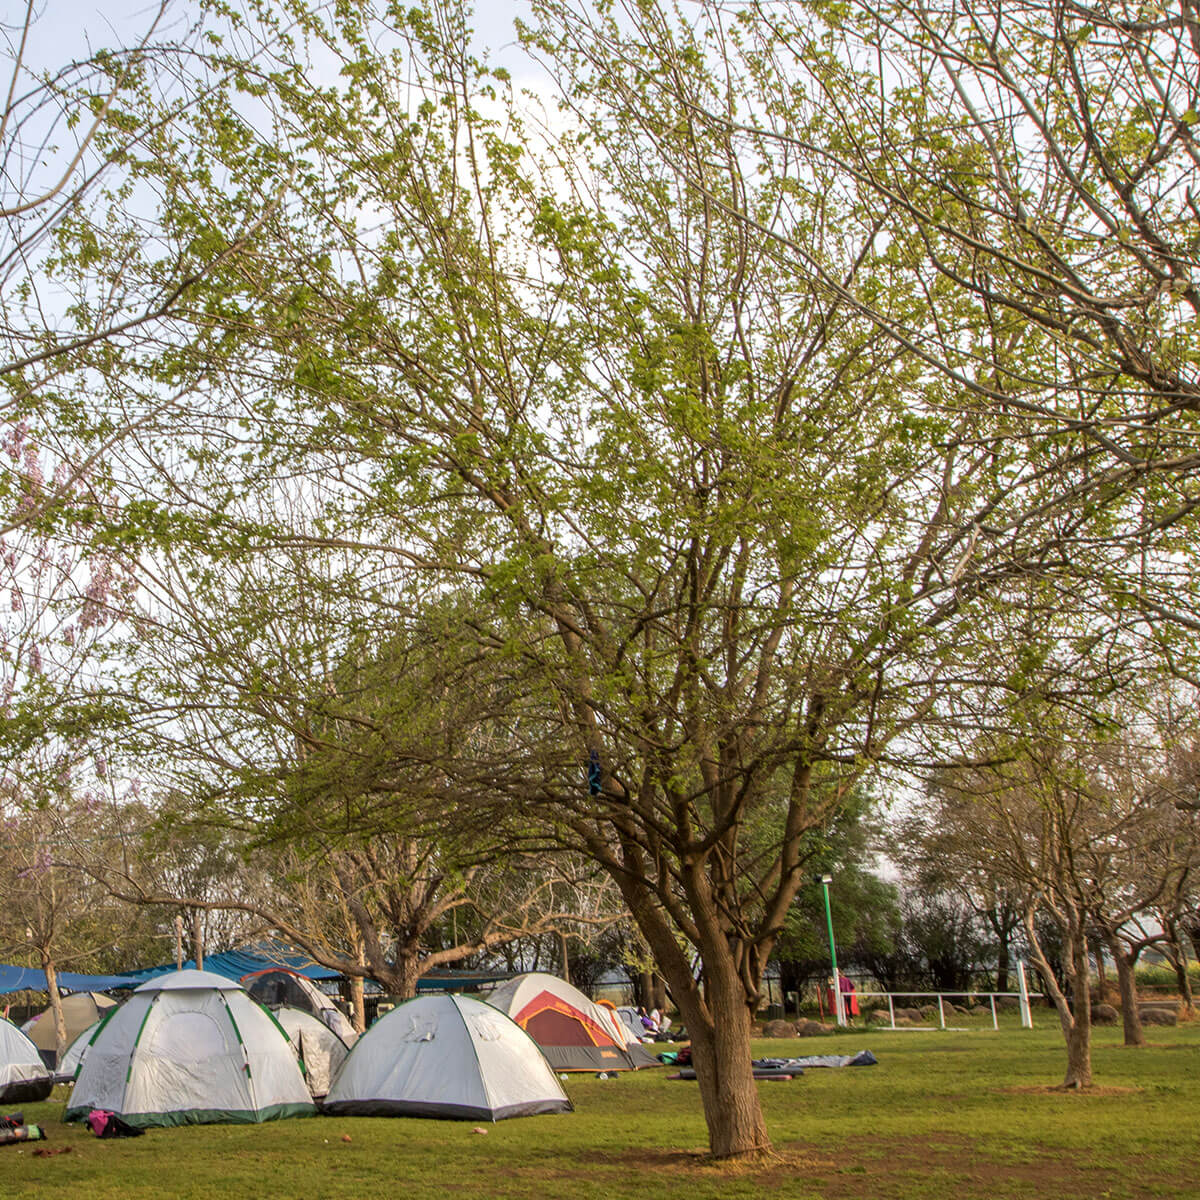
{"x": 593, "y": 772}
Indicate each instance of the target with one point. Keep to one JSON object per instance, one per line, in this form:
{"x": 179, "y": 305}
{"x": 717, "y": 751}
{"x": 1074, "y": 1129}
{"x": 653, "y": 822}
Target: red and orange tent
{"x": 574, "y": 1033}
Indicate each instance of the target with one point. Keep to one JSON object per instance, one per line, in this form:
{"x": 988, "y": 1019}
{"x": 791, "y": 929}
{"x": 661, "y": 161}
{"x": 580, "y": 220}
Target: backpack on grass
{"x": 105, "y": 1124}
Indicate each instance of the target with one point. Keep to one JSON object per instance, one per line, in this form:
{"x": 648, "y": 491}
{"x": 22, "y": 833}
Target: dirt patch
{"x": 698, "y": 1161}
{"x": 882, "y": 1168}
{"x": 1057, "y": 1089}
{"x": 886, "y": 1168}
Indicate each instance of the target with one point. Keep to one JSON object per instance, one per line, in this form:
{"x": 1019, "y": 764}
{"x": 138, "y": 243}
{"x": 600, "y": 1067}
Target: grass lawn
{"x": 964, "y": 1115}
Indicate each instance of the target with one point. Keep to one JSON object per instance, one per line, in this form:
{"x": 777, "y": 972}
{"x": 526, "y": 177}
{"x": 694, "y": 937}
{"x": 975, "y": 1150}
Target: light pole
{"x": 826, "y": 880}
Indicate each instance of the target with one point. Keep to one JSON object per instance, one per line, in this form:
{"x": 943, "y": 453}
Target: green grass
{"x": 968, "y": 1115}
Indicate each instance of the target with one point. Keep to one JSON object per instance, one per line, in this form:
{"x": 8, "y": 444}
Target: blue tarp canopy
{"x": 33, "y": 979}
{"x": 233, "y": 964}
{"x": 448, "y": 980}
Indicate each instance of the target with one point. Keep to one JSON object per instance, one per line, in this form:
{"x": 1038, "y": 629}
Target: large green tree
{"x": 730, "y": 486}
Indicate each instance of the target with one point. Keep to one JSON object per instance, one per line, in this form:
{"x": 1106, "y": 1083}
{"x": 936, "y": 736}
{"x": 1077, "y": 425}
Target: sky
{"x": 69, "y": 27}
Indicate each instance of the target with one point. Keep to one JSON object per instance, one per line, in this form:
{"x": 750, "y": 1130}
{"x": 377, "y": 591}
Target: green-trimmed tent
{"x": 190, "y": 1048}
{"x": 23, "y": 1075}
{"x": 75, "y": 1053}
{"x": 319, "y": 1048}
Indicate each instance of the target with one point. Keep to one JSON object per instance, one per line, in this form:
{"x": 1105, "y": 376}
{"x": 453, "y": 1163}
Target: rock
{"x": 908, "y": 1014}
{"x": 928, "y": 1012}
{"x": 812, "y": 1029}
{"x": 878, "y": 1016}
{"x": 1007, "y": 1003}
{"x": 1104, "y": 1014}
{"x": 1156, "y": 1015}
{"x": 779, "y": 1029}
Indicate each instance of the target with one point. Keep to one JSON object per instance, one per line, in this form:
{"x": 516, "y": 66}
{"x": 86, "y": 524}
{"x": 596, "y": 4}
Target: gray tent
{"x": 276, "y": 986}
{"x": 320, "y": 1049}
{"x": 446, "y": 1056}
{"x": 23, "y": 1076}
{"x": 76, "y": 1052}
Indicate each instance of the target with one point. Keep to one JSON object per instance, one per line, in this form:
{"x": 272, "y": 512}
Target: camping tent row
{"x": 318, "y": 1048}
{"x": 193, "y": 1048}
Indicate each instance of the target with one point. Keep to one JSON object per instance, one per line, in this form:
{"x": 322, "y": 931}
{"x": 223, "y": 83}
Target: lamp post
{"x": 839, "y": 1012}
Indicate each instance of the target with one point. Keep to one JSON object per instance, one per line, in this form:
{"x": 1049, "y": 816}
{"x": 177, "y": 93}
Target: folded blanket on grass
{"x": 864, "y": 1058}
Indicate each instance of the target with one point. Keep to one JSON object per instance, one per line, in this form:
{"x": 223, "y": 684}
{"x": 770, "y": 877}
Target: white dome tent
{"x": 446, "y": 1056}
{"x": 76, "y": 1052}
{"x": 190, "y": 1048}
{"x": 320, "y": 1049}
{"x": 23, "y": 1075}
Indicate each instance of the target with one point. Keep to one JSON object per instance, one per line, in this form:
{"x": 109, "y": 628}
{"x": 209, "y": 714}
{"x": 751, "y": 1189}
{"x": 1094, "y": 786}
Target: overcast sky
{"x": 67, "y": 28}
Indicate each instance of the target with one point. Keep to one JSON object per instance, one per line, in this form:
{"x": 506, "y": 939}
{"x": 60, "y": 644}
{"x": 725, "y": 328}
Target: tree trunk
{"x": 354, "y": 985}
{"x": 566, "y": 961}
{"x": 658, "y": 993}
{"x": 1076, "y": 1016}
{"x": 1079, "y": 1053}
{"x": 1177, "y": 956}
{"x": 198, "y": 938}
{"x": 56, "y": 1008}
{"x": 1002, "y": 958}
{"x": 1079, "y": 1033}
{"x": 717, "y": 1020}
{"x": 789, "y": 982}
{"x": 1131, "y": 1019}
{"x": 1101, "y": 970}
{"x": 1185, "y": 984}
{"x": 351, "y": 992}
{"x": 642, "y": 990}
{"x": 719, "y": 1027}
{"x": 401, "y": 977}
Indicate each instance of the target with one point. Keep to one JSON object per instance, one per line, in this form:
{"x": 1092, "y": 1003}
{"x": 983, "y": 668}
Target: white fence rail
{"x": 1022, "y": 997}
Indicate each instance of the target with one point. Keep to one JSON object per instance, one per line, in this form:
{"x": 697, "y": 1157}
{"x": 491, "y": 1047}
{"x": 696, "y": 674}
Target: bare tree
{"x": 1073, "y": 814}
{"x": 52, "y": 914}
